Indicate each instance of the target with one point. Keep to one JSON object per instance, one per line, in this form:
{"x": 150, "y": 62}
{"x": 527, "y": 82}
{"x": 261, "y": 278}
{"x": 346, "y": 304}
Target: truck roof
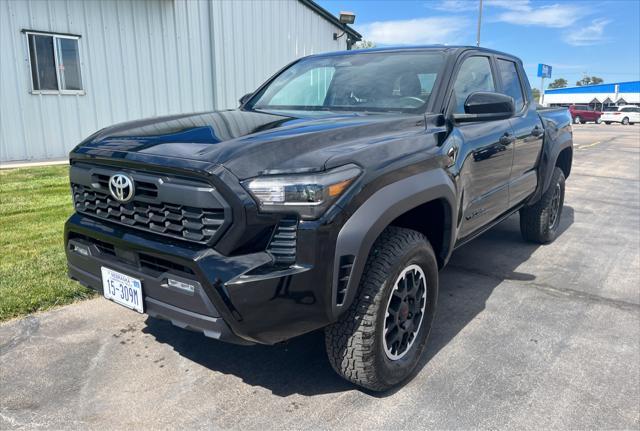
{"x": 414, "y": 48}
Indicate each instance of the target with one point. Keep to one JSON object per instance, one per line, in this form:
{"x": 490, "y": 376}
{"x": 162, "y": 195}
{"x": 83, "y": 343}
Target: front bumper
{"x": 240, "y": 299}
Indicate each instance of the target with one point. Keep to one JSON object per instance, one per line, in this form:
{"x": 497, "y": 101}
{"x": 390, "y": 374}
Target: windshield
{"x": 389, "y": 81}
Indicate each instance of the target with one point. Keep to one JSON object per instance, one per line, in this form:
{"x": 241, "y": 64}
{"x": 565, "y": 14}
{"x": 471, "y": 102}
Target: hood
{"x": 250, "y": 143}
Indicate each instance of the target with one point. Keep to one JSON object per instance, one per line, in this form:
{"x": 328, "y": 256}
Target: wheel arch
{"x": 557, "y": 151}
{"x": 565, "y": 160}
{"x": 404, "y": 203}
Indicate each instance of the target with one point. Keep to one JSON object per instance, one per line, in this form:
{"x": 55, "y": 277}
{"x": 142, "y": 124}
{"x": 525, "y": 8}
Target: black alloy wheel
{"x": 405, "y": 310}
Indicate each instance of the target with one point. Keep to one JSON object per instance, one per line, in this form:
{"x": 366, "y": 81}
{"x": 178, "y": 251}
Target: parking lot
{"x": 526, "y": 337}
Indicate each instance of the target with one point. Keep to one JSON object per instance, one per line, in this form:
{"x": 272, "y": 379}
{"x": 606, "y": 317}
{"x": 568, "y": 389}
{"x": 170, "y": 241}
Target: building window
{"x": 55, "y": 63}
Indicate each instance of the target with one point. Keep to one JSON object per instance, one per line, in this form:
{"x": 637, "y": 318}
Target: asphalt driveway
{"x": 526, "y": 337}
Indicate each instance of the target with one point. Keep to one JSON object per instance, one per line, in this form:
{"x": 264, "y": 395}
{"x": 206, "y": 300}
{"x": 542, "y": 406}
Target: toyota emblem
{"x": 121, "y": 187}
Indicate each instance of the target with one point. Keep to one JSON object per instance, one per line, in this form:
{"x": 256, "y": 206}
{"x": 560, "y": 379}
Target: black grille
{"x": 103, "y": 247}
{"x": 153, "y": 264}
{"x": 283, "y": 243}
{"x": 161, "y": 265}
{"x": 177, "y": 221}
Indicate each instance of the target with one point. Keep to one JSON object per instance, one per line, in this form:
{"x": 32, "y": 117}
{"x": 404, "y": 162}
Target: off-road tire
{"x": 536, "y": 224}
{"x": 354, "y": 343}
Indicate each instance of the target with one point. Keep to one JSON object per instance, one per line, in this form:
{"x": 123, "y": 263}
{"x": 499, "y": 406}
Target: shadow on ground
{"x": 300, "y": 365}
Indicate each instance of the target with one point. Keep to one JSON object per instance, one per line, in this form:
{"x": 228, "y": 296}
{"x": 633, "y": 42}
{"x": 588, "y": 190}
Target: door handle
{"x": 452, "y": 153}
{"x": 537, "y": 131}
{"x": 506, "y": 139}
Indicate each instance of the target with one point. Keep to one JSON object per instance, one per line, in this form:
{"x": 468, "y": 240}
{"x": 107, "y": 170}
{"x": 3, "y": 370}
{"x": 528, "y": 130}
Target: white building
{"x": 71, "y": 67}
{"x": 597, "y": 96}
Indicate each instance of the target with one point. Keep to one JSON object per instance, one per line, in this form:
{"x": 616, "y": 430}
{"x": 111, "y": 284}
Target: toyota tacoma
{"x": 329, "y": 199}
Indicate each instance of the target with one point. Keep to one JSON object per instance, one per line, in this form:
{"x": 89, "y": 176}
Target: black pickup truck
{"x": 329, "y": 199}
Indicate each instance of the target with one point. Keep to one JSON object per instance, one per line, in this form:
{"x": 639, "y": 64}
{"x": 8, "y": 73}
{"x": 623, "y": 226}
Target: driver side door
{"x": 485, "y": 152}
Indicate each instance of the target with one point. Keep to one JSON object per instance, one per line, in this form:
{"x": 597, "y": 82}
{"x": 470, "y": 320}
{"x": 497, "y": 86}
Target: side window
{"x": 55, "y": 63}
{"x": 511, "y": 85}
{"x": 474, "y": 75}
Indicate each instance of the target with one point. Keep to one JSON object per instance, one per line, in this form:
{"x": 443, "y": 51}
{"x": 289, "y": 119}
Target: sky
{"x": 593, "y": 37}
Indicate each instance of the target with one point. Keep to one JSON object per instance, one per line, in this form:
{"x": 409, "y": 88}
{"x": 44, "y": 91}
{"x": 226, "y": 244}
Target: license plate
{"x": 122, "y": 289}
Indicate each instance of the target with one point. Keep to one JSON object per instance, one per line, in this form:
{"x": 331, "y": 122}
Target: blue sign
{"x": 544, "y": 71}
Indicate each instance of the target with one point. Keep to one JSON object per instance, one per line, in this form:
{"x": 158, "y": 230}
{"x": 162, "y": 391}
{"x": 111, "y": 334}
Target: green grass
{"x": 34, "y": 204}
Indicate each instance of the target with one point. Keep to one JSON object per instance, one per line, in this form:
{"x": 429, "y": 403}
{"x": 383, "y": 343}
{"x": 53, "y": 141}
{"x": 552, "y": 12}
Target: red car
{"x": 583, "y": 113}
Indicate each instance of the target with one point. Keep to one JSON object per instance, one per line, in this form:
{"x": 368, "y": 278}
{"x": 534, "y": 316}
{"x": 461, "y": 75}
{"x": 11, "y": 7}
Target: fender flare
{"x": 358, "y": 234}
{"x": 548, "y": 160}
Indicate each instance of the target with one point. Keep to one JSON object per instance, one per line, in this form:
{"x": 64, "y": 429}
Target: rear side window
{"x": 474, "y": 75}
{"x": 511, "y": 85}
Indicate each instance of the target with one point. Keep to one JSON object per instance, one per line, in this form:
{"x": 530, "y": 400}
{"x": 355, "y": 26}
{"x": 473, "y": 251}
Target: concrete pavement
{"x": 526, "y": 337}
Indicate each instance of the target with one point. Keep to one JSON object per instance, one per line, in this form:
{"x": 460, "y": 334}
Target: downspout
{"x": 212, "y": 40}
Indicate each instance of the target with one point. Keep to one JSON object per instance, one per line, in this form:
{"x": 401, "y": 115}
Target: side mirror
{"x": 486, "y": 106}
{"x": 245, "y": 98}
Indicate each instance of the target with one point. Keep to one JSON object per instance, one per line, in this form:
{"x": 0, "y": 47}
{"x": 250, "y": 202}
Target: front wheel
{"x": 379, "y": 341}
{"x": 539, "y": 222}
{"x": 577, "y": 120}
{"x": 625, "y": 121}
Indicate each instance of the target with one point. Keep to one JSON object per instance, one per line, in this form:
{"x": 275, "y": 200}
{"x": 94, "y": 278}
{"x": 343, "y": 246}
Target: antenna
{"x": 479, "y": 23}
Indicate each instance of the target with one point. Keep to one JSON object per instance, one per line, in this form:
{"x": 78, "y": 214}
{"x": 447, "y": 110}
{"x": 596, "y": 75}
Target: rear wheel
{"x": 379, "y": 341}
{"x": 577, "y": 120}
{"x": 539, "y": 222}
{"x": 625, "y": 121}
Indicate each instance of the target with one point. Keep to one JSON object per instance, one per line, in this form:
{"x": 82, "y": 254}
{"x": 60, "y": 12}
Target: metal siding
{"x": 145, "y": 58}
{"x": 254, "y": 39}
{"x": 132, "y": 67}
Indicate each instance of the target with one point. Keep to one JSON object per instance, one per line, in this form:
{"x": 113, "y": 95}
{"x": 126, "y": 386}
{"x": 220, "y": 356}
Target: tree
{"x": 558, "y": 83}
{"x": 364, "y": 44}
{"x": 589, "y": 80}
{"x": 536, "y": 94}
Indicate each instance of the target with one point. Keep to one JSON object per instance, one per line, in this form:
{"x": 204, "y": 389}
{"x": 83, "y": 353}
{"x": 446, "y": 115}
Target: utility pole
{"x": 479, "y": 23}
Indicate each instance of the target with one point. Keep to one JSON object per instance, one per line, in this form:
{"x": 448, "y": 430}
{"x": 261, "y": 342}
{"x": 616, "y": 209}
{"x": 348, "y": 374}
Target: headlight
{"x": 307, "y": 195}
